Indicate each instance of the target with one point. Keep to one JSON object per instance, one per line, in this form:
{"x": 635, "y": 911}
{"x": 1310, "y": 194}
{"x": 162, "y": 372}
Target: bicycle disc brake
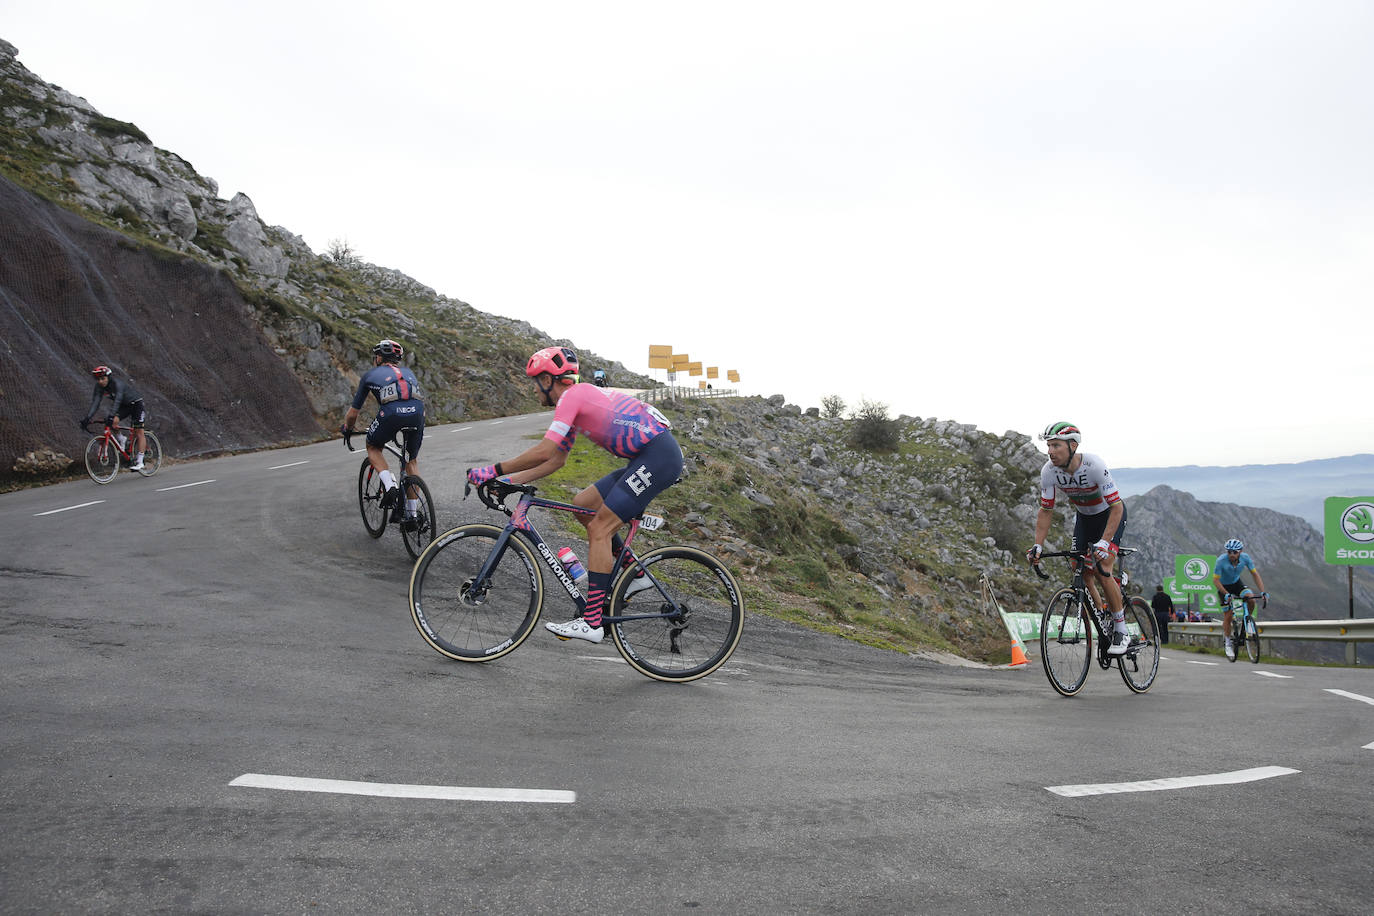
{"x": 472, "y": 593}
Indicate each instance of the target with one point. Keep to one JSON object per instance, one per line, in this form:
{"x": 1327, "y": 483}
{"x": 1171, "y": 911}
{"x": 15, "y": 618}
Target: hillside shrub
{"x": 873, "y": 430}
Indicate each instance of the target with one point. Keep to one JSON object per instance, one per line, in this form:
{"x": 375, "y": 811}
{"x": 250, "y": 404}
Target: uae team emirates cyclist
{"x": 1100, "y": 516}
{"x": 622, "y": 425}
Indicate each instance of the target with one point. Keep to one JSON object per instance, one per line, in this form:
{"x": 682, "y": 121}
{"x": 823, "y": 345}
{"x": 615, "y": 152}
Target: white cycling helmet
{"x": 1062, "y": 430}
{"x": 1234, "y": 544}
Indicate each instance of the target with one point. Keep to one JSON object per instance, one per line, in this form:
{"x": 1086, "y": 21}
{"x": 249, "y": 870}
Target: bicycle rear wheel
{"x": 152, "y": 454}
{"x": 417, "y": 533}
{"x": 102, "y": 460}
{"x": 1066, "y": 643}
{"x": 704, "y": 608}
{"x": 468, "y": 620}
{"x": 370, "y": 499}
{"x": 1140, "y": 663}
{"x": 1252, "y": 645}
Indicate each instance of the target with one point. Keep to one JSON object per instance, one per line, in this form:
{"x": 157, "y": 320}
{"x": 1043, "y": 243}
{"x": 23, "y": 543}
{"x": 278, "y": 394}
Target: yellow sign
{"x": 701, "y": 384}
{"x": 660, "y": 350}
{"x": 694, "y": 368}
{"x": 680, "y": 360}
{"x": 733, "y": 375}
{"x": 713, "y": 372}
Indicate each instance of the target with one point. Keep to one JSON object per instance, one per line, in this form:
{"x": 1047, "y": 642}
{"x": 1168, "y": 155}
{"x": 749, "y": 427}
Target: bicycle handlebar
{"x": 348, "y": 435}
{"x": 1068, "y": 554}
{"x": 494, "y": 493}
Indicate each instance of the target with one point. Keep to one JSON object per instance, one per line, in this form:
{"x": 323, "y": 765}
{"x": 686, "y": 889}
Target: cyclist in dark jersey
{"x": 125, "y": 402}
{"x": 622, "y": 425}
{"x": 400, "y": 407}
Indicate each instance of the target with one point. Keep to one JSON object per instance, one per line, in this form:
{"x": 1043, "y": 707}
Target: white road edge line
{"x": 1191, "y": 662}
{"x": 1353, "y": 696}
{"x": 94, "y": 502}
{"x": 1172, "y": 782}
{"x": 401, "y": 790}
{"x": 182, "y": 486}
{"x": 1272, "y": 674}
{"x": 278, "y": 467}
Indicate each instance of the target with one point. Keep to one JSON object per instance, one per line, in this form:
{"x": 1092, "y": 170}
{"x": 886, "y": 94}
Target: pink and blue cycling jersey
{"x": 620, "y": 424}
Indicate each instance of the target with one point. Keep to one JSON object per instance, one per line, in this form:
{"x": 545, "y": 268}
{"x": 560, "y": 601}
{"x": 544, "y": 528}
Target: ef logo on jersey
{"x": 639, "y": 481}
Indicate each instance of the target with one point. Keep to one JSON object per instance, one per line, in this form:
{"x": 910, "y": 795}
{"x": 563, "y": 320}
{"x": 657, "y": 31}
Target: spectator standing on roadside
{"x": 1164, "y": 611}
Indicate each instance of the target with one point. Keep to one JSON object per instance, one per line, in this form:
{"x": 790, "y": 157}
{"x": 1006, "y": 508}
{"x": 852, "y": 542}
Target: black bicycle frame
{"x": 519, "y": 522}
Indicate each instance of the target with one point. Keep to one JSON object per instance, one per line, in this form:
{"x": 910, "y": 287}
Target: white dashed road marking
{"x": 1353, "y": 696}
{"x": 94, "y": 502}
{"x": 1192, "y": 662}
{"x": 1172, "y": 782}
{"x": 184, "y": 485}
{"x": 278, "y": 467}
{"x": 401, "y": 790}
{"x": 1272, "y": 674}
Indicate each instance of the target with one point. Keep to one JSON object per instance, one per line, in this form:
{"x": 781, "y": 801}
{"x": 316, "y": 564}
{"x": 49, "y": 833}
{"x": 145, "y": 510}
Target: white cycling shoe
{"x": 137, "y": 465}
{"x": 576, "y": 629}
{"x": 1121, "y": 641}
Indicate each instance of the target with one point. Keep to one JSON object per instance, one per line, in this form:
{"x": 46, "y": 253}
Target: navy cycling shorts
{"x": 399, "y": 416}
{"x": 628, "y": 491}
{"x": 1089, "y": 529}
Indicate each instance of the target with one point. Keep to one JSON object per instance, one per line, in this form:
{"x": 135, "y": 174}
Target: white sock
{"x": 387, "y": 480}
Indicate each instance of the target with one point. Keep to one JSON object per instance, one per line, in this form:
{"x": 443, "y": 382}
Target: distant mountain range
{"x": 1294, "y": 489}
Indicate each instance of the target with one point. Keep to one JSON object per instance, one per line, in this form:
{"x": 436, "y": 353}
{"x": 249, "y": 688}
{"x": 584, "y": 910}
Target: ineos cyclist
{"x": 1226, "y": 576}
{"x": 624, "y": 426}
{"x": 1100, "y": 519}
{"x": 400, "y": 407}
{"x": 125, "y": 402}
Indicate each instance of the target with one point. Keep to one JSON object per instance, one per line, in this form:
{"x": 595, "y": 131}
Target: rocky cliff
{"x": 115, "y": 251}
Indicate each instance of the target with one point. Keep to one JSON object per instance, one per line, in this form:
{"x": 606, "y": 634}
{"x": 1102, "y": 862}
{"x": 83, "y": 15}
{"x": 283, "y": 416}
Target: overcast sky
{"x": 1155, "y": 221}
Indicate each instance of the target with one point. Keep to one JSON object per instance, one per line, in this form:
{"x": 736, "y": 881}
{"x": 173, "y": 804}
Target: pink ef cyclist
{"x": 622, "y": 425}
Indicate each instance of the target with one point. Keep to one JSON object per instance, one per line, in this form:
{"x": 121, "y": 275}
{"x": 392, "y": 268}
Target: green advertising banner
{"x": 1173, "y": 591}
{"x": 1193, "y": 572}
{"x": 1350, "y": 530}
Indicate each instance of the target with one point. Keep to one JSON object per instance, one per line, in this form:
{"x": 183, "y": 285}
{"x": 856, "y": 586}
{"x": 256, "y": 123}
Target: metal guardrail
{"x": 655, "y": 395}
{"x": 1349, "y": 630}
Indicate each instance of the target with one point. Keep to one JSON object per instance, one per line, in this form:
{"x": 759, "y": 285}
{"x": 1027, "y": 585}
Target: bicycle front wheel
{"x": 102, "y": 460}
{"x": 463, "y": 618}
{"x": 694, "y": 614}
{"x": 1252, "y": 639}
{"x": 1140, "y": 663}
{"x": 370, "y": 499}
{"x": 152, "y": 454}
{"x": 1066, "y": 643}
{"x": 418, "y": 532}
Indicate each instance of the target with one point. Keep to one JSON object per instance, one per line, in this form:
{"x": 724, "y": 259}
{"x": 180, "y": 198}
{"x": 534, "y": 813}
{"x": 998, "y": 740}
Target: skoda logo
{"x": 1195, "y": 569}
{"x": 1357, "y": 521}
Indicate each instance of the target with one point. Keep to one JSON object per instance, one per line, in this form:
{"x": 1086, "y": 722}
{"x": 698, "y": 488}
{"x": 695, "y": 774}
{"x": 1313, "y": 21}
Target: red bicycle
{"x": 106, "y": 452}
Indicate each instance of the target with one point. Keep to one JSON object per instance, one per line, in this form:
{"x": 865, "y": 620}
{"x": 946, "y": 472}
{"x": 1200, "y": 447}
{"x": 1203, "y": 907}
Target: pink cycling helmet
{"x": 556, "y": 361}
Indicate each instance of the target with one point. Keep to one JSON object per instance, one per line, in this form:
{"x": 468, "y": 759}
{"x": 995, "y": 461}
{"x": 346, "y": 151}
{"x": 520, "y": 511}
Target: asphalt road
{"x": 230, "y": 618}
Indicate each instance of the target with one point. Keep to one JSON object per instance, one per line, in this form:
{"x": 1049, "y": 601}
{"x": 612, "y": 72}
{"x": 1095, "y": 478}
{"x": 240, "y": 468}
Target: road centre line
{"x": 1353, "y": 696}
{"x": 402, "y": 790}
{"x": 94, "y": 502}
{"x": 278, "y": 467}
{"x": 1272, "y": 674}
{"x": 1172, "y": 782}
{"x": 182, "y": 486}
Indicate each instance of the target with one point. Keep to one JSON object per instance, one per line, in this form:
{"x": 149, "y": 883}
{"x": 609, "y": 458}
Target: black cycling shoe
{"x": 391, "y": 498}
{"x": 412, "y": 523}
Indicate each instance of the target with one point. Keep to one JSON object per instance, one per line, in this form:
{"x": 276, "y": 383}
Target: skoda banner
{"x": 1193, "y": 572}
{"x": 1350, "y": 530}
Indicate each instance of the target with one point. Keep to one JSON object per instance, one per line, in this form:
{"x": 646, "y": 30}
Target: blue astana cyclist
{"x": 1226, "y": 576}
{"x": 399, "y": 408}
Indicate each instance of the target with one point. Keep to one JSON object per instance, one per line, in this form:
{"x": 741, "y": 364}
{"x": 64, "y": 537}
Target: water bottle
{"x": 123, "y": 440}
{"x": 574, "y": 568}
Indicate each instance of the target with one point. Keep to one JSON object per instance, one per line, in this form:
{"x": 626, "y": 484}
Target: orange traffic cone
{"x": 1018, "y": 655}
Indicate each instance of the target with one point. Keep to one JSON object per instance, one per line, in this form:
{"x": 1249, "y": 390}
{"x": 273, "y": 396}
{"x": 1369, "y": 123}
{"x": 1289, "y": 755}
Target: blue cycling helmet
{"x": 1234, "y": 544}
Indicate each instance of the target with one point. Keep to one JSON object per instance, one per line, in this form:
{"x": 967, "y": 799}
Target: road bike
{"x": 417, "y": 532}
{"x": 105, "y": 454}
{"x": 1070, "y": 619}
{"x": 1244, "y": 628}
{"x": 476, "y": 593}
